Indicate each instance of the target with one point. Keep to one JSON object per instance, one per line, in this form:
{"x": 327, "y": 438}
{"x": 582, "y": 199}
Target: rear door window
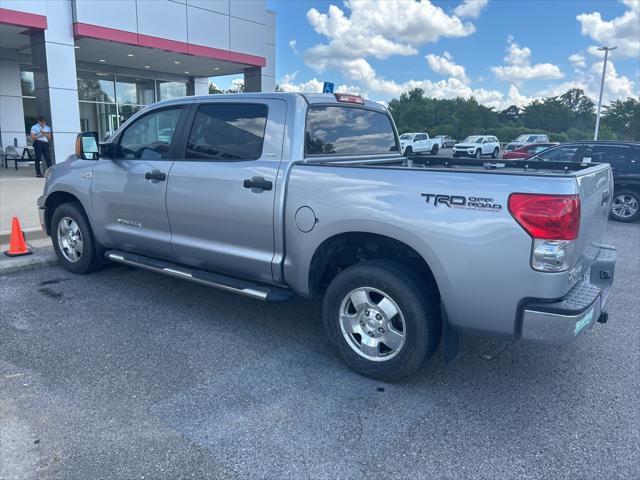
{"x": 340, "y": 130}
{"x": 617, "y": 156}
{"x": 227, "y": 132}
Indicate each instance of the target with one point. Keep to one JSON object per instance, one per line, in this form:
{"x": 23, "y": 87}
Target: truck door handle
{"x": 155, "y": 174}
{"x": 605, "y": 198}
{"x": 258, "y": 184}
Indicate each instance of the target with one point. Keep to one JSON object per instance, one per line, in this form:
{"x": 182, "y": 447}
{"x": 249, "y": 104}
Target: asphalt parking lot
{"x": 128, "y": 374}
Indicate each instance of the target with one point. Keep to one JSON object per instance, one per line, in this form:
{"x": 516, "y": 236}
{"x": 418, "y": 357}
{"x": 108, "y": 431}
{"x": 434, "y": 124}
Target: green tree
{"x": 510, "y": 114}
{"x": 582, "y": 108}
{"x": 623, "y": 118}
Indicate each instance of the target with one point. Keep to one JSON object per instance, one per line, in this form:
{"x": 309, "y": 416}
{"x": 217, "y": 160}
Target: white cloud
{"x": 288, "y": 84}
{"x": 368, "y": 32}
{"x": 577, "y": 60}
{"x": 237, "y": 84}
{"x": 292, "y": 46}
{"x": 615, "y": 86}
{"x": 470, "y": 8}
{"x": 518, "y": 66}
{"x": 622, "y": 32}
{"x": 361, "y": 72}
{"x": 445, "y": 65}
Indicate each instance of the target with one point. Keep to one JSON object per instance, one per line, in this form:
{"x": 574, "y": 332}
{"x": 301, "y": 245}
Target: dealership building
{"x": 91, "y": 64}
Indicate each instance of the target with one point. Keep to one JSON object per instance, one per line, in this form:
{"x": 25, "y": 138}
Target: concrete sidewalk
{"x": 19, "y": 190}
{"x": 42, "y": 255}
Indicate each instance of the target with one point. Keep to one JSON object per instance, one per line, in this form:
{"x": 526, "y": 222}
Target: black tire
{"x": 496, "y": 153}
{"x": 408, "y": 151}
{"x": 434, "y": 150}
{"x": 88, "y": 261}
{"x": 478, "y": 154}
{"x": 631, "y": 198}
{"x": 417, "y": 302}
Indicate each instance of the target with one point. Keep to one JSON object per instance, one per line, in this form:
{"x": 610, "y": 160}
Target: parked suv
{"x": 526, "y": 139}
{"x": 411, "y": 143}
{"x": 477, "y": 146}
{"x": 624, "y": 158}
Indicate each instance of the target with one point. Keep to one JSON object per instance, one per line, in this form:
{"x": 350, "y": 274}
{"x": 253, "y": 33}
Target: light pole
{"x": 604, "y": 71}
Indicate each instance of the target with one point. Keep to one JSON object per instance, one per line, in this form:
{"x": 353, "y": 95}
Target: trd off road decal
{"x": 460, "y": 201}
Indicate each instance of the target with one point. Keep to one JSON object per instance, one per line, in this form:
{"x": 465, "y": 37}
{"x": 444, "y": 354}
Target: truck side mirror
{"x": 107, "y": 150}
{"x": 87, "y": 145}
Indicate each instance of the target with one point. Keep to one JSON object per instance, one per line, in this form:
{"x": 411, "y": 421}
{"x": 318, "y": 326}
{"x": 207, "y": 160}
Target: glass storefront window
{"x": 107, "y": 100}
{"x": 96, "y": 87}
{"x": 28, "y": 84}
{"x": 99, "y": 117}
{"x": 167, "y": 90}
{"x": 135, "y": 91}
{"x": 127, "y": 110}
{"x": 30, "y": 113}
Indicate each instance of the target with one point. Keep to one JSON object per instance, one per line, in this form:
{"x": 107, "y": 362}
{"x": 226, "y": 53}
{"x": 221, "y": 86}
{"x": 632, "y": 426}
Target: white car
{"x": 476, "y": 146}
{"x": 411, "y": 143}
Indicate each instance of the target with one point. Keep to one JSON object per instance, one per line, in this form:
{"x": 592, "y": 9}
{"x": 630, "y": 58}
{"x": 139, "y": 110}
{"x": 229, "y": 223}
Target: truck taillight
{"x": 547, "y": 217}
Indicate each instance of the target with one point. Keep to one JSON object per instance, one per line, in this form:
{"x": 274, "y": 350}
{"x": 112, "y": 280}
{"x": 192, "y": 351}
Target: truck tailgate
{"x": 595, "y": 187}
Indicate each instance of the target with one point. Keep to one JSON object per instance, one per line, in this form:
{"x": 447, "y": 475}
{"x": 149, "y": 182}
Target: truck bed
{"x": 444, "y": 164}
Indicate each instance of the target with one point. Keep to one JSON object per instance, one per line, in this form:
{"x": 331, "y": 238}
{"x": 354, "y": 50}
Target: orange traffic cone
{"x": 17, "y": 245}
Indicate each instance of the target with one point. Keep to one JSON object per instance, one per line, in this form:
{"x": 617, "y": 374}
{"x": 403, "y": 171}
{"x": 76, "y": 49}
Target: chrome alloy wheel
{"x": 624, "y": 206}
{"x": 70, "y": 239}
{"x": 372, "y": 324}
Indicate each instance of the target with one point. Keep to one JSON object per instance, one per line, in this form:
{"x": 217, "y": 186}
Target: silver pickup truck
{"x": 275, "y": 195}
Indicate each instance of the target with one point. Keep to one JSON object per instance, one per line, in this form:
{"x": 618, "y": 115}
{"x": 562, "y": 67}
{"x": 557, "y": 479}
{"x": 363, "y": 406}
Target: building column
{"x": 201, "y": 86}
{"x": 56, "y": 85}
{"x": 253, "y": 79}
{"x": 257, "y": 79}
{"x": 11, "y": 110}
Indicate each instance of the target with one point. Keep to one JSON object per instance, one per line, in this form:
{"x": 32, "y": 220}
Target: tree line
{"x": 567, "y": 117}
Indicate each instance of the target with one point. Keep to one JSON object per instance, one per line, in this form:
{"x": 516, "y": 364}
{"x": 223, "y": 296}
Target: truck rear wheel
{"x": 408, "y": 151}
{"x": 434, "y": 150}
{"x": 625, "y": 206}
{"x": 382, "y": 319}
{"x": 73, "y": 239}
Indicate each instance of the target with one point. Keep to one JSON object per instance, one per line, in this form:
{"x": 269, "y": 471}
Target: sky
{"x": 502, "y": 52}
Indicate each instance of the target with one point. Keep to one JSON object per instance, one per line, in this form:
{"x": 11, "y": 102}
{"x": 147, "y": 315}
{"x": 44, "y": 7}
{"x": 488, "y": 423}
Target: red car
{"x": 526, "y": 151}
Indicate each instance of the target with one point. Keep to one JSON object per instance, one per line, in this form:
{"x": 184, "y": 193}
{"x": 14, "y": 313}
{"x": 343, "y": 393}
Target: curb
{"x": 41, "y": 257}
{"x": 29, "y": 234}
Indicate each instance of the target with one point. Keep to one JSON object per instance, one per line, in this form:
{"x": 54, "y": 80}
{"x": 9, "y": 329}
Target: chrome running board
{"x": 267, "y": 293}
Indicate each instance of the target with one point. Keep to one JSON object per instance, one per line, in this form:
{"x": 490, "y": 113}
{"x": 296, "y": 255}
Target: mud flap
{"x": 451, "y": 338}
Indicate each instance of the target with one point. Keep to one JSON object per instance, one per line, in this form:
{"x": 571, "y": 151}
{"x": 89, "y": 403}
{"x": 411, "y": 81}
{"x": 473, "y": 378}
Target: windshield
{"x": 521, "y": 138}
{"x": 439, "y": 136}
{"x": 406, "y": 136}
{"x": 473, "y": 139}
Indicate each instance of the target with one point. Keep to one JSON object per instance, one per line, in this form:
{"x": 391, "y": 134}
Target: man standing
{"x": 41, "y": 136}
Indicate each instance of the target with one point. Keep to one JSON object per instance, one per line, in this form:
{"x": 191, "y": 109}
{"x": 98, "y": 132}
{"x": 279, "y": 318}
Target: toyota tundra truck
{"x": 273, "y": 195}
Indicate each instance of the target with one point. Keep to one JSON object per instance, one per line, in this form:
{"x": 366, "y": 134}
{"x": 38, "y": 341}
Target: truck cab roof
{"x": 309, "y": 98}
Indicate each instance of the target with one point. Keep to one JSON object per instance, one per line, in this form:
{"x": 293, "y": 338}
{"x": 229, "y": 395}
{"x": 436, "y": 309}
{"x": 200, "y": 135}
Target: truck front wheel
{"x": 73, "y": 239}
{"x": 382, "y": 319}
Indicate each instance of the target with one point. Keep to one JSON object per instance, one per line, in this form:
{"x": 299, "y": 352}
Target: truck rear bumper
{"x": 561, "y": 321}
